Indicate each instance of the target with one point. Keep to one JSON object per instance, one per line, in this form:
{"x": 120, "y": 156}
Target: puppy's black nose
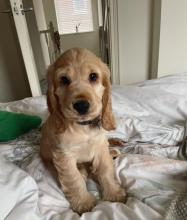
{"x": 81, "y": 106}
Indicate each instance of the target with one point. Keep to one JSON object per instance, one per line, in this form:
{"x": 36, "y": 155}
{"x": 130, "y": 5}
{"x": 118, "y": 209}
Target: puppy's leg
{"x": 73, "y": 184}
{"x": 82, "y": 169}
{"x": 104, "y": 172}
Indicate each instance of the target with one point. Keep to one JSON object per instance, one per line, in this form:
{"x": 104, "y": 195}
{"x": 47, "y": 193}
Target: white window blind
{"x": 74, "y": 16}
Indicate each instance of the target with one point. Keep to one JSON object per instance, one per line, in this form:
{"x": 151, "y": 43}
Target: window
{"x": 74, "y": 16}
{"x": 79, "y": 6}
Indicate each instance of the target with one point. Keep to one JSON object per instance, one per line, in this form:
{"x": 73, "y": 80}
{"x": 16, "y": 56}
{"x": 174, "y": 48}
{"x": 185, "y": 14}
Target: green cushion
{"x": 12, "y": 124}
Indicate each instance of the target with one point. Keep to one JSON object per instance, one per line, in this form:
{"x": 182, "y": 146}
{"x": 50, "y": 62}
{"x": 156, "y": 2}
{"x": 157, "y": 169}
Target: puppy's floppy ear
{"x": 108, "y": 121}
{"x": 52, "y": 101}
{"x": 51, "y": 98}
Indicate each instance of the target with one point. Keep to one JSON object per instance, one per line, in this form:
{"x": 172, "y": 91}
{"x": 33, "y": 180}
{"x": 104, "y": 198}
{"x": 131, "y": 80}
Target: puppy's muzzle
{"x": 81, "y": 106}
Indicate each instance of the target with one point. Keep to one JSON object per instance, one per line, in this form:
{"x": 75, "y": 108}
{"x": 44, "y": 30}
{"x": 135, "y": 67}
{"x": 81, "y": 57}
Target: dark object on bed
{"x": 182, "y": 153}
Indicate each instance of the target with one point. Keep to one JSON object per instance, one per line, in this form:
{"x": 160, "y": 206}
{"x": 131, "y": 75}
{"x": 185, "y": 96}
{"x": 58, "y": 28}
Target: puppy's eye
{"x": 93, "y": 77}
{"x": 65, "y": 81}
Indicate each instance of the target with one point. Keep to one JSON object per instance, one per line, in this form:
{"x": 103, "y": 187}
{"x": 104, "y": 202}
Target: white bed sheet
{"x": 18, "y": 193}
{"x": 150, "y": 116}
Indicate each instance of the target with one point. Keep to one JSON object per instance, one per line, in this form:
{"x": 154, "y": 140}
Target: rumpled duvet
{"x": 151, "y": 123}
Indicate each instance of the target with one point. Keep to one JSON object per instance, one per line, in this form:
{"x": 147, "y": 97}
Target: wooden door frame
{"x": 42, "y": 26}
{"x": 114, "y": 41}
{"x": 25, "y": 45}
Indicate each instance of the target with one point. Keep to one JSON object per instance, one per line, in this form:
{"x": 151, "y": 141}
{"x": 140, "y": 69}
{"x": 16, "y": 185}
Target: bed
{"x": 151, "y": 125}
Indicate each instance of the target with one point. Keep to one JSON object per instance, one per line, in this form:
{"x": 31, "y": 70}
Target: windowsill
{"x": 79, "y": 33}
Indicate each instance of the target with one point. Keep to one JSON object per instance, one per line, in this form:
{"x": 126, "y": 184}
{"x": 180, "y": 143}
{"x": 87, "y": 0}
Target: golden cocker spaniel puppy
{"x": 73, "y": 137}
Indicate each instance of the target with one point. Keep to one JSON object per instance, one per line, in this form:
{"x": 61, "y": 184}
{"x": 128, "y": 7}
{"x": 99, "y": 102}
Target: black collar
{"x": 96, "y": 122}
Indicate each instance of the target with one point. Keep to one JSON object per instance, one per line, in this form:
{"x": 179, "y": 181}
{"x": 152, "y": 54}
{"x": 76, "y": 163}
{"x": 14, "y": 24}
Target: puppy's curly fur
{"x": 66, "y": 142}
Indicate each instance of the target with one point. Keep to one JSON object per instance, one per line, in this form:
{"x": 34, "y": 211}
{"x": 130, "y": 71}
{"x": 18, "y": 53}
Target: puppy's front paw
{"x": 115, "y": 194}
{"x": 83, "y": 203}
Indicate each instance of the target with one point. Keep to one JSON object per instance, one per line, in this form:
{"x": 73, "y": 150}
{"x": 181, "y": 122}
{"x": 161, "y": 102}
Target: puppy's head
{"x": 79, "y": 88}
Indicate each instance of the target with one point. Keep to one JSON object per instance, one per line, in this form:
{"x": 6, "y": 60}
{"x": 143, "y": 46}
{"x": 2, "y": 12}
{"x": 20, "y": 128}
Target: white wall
{"x": 134, "y": 33}
{"x": 13, "y": 79}
{"x": 172, "y": 57}
{"x": 89, "y": 40}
